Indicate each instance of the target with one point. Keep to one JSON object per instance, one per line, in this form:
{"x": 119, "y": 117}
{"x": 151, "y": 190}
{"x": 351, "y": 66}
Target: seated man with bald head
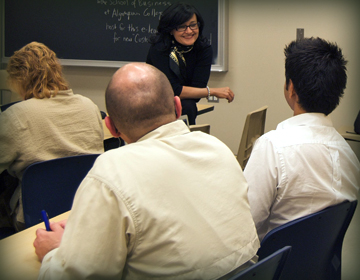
{"x": 172, "y": 204}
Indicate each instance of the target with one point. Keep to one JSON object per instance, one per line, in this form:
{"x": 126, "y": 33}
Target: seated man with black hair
{"x": 304, "y": 165}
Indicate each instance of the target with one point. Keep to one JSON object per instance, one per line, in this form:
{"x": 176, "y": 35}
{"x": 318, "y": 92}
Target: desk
{"x": 204, "y": 108}
{"x": 348, "y": 133}
{"x": 17, "y": 253}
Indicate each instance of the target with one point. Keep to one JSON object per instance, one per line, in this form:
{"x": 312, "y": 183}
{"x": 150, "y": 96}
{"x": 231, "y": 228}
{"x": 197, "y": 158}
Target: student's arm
{"x": 9, "y": 140}
{"x": 96, "y": 238}
{"x": 262, "y": 177}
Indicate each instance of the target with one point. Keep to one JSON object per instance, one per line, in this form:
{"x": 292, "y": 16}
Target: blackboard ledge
{"x": 110, "y": 64}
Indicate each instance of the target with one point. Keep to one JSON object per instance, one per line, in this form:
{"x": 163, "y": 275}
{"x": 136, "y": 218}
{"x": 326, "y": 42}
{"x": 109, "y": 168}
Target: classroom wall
{"x": 258, "y": 33}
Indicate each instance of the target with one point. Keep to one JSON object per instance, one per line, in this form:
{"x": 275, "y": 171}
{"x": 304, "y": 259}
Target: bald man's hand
{"x": 48, "y": 240}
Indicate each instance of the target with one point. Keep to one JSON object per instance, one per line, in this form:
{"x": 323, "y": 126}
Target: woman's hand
{"x": 224, "y": 92}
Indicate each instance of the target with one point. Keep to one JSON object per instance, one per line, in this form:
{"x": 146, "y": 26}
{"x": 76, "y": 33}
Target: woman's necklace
{"x": 182, "y": 49}
{"x": 186, "y": 51}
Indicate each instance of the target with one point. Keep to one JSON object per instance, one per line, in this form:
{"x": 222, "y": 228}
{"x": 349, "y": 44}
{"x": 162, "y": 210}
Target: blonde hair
{"x": 34, "y": 71}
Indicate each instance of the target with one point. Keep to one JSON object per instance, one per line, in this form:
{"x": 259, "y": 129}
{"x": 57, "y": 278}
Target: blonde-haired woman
{"x": 51, "y": 122}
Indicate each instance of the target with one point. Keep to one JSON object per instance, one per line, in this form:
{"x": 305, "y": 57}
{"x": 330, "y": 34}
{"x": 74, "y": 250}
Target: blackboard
{"x": 104, "y": 33}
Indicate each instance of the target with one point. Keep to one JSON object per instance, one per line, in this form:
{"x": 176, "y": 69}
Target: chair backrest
{"x": 185, "y": 119}
{"x": 51, "y": 185}
{"x": 200, "y": 127}
{"x": 357, "y": 123}
{"x": 3, "y": 80}
{"x": 5, "y": 106}
{"x": 195, "y": 127}
{"x": 316, "y": 242}
{"x": 254, "y": 127}
{"x": 269, "y": 268}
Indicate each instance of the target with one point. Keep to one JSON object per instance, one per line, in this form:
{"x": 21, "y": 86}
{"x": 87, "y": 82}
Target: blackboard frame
{"x": 221, "y": 64}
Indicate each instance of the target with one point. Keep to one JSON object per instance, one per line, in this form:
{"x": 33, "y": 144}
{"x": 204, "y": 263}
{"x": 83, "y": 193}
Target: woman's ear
{"x": 111, "y": 127}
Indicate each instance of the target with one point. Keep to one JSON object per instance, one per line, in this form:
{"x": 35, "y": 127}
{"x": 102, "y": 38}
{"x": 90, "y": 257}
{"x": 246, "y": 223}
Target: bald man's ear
{"x": 111, "y": 127}
{"x": 178, "y": 107}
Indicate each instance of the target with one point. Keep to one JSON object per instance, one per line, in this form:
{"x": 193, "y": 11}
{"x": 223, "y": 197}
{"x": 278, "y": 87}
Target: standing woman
{"x": 184, "y": 55}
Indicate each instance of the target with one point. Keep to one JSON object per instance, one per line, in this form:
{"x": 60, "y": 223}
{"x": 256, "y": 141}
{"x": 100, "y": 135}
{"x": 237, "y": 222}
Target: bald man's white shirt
{"x": 171, "y": 206}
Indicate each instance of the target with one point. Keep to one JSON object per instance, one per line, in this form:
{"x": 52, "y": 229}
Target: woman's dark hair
{"x": 172, "y": 17}
{"x": 317, "y": 70}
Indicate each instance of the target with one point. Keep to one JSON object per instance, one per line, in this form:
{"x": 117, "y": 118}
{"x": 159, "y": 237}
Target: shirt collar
{"x": 64, "y": 92}
{"x": 306, "y": 119}
{"x": 167, "y": 130}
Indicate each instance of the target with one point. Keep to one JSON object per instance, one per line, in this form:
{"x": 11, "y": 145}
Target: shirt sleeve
{"x": 262, "y": 177}
{"x": 9, "y": 139}
{"x": 202, "y": 68}
{"x": 97, "y": 237}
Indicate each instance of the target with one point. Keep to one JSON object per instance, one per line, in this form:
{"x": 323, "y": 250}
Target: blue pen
{"x": 45, "y": 218}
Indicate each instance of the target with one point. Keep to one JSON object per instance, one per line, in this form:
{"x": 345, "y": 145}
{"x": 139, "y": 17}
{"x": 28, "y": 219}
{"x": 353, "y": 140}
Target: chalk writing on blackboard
{"x": 94, "y": 32}
{"x": 121, "y": 21}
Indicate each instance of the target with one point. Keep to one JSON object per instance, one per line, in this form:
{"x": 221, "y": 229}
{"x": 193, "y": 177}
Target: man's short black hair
{"x": 317, "y": 70}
